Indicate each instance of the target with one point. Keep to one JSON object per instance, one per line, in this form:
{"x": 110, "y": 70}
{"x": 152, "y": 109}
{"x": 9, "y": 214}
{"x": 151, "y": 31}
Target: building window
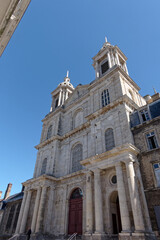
{"x": 56, "y": 103}
{"x": 49, "y": 133}
{"x": 114, "y": 179}
{"x": 77, "y": 157}
{"x": 157, "y": 213}
{"x": 144, "y": 115}
{"x": 104, "y": 67}
{"x": 151, "y": 140}
{"x": 78, "y": 119}
{"x": 10, "y": 218}
{"x": 109, "y": 139}
{"x": 44, "y": 166}
{"x": 105, "y": 98}
{"x": 156, "y": 167}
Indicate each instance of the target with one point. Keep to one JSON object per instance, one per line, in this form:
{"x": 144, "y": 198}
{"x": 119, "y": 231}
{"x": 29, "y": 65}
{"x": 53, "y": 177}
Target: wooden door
{"x": 75, "y": 216}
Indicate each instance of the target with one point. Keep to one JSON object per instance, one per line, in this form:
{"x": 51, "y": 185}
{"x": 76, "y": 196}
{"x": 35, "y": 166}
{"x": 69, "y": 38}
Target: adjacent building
{"x": 11, "y": 12}
{"x": 145, "y": 125}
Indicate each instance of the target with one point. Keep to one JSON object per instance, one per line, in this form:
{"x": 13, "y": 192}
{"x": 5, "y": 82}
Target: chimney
{"x": 8, "y": 190}
{"x": 0, "y": 194}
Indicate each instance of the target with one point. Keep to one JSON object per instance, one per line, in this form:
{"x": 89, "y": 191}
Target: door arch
{"x": 75, "y": 212}
{"x": 115, "y": 213}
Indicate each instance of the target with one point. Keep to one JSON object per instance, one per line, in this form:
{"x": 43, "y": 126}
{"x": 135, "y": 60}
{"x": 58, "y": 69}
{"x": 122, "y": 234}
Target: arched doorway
{"x": 115, "y": 213}
{"x": 75, "y": 212}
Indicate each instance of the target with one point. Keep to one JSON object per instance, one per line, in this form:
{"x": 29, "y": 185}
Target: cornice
{"x": 117, "y": 151}
{"x": 119, "y": 101}
{"x": 11, "y": 19}
{"x": 148, "y": 123}
{"x": 61, "y": 138}
{"x": 44, "y": 178}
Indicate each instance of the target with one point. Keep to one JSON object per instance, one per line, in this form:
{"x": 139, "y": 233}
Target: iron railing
{"x": 73, "y": 236}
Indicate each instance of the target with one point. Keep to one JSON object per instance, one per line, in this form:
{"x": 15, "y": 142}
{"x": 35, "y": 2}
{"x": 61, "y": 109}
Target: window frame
{"x": 103, "y": 62}
{"x": 105, "y": 139}
{"x": 45, "y": 160}
{"x": 140, "y": 114}
{"x": 155, "y": 141}
{"x": 49, "y": 131}
{"x": 77, "y": 161}
{"x": 104, "y": 97}
{"x": 154, "y": 170}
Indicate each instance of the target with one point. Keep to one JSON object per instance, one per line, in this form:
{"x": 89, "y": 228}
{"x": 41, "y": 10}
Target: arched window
{"x": 49, "y": 133}
{"x": 77, "y": 193}
{"x": 77, "y": 157}
{"x": 109, "y": 139}
{"x": 44, "y": 166}
{"x": 78, "y": 119}
{"x": 105, "y": 98}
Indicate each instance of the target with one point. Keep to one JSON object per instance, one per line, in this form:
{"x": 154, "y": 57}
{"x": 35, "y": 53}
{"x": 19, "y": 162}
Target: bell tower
{"x": 108, "y": 57}
{"x": 61, "y": 93}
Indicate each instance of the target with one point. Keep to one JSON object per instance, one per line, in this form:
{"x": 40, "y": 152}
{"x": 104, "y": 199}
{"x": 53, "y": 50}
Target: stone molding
{"x": 11, "y": 20}
{"x": 126, "y": 152}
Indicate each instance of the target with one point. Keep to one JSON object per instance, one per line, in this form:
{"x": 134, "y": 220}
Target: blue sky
{"x": 55, "y": 36}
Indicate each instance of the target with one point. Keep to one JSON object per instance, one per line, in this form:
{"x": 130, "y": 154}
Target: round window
{"x": 114, "y": 179}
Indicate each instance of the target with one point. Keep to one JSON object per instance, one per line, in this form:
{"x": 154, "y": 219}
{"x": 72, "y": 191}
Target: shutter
{"x": 134, "y": 119}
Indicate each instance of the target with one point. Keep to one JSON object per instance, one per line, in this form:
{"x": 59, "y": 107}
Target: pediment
{"x": 78, "y": 93}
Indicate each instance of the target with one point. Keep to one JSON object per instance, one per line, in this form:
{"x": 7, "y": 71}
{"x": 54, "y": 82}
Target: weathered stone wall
{"x": 146, "y": 159}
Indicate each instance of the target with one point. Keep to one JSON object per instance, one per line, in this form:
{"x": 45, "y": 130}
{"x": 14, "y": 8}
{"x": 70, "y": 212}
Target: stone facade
{"x": 87, "y": 177}
{"x": 11, "y": 12}
{"x": 149, "y": 157}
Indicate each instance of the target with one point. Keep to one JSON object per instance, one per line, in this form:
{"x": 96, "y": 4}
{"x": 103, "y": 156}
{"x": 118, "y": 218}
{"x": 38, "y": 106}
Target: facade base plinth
{"x": 98, "y": 236}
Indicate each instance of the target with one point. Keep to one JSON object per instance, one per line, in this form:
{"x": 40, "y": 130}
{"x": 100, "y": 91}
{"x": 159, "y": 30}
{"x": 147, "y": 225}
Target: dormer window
{"x": 144, "y": 115}
{"x": 104, "y": 67}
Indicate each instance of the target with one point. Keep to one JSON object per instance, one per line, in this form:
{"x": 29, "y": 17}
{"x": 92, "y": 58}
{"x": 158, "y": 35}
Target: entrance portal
{"x": 75, "y": 212}
{"x": 115, "y": 213}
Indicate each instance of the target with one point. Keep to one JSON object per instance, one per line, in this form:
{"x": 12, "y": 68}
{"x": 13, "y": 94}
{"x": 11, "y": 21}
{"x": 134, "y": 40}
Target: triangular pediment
{"x": 78, "y": 93}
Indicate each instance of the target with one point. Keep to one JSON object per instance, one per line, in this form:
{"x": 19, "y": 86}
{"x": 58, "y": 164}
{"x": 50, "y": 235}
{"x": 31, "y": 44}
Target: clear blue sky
{"x": 59, "y": 35}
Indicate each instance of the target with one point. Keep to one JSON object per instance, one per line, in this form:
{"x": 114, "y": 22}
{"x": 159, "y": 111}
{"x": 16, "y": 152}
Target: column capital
{"x": 118, "y": 164}
{"x": 97, "y": 171}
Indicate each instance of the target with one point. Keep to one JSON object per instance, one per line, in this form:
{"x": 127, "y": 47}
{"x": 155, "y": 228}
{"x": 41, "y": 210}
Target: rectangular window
{"x": 151, "y": 140}
{"x": 145, "y": 115}
{"x": 157, "y": 212}
{"x": 104, "y": 67}
{"x": 156, "y": 167}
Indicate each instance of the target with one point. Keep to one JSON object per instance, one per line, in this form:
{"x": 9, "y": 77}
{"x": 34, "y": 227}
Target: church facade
{"x": 87, "y": 178}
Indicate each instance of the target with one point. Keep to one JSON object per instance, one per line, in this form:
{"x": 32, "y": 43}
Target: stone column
{"x": 25, "y": 213}
{"x": 41, "y": 209}
{"x": 134, "y": 196}
{"x": 117, "y": 58}
{"x": 109, "y": 59}
{"x": 34, "y": 218}
{"x": 50, "y": 209}
{"x": 98, "y": 202}
{"x": 89, "y": 204}
{"x": 146, "y": 213}
{"x": 126, "y": 227}
{"x": 60, "y": 98}
{"x": 21, "y": 212}
{"x": 125, "y": 67}
{"x": 97, "y": 72}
